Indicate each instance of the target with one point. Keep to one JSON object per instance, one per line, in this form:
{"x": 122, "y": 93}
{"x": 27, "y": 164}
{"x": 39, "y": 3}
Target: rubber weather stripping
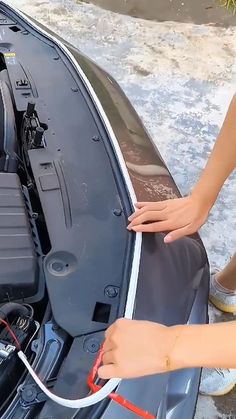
{"x": 98, "y": 392}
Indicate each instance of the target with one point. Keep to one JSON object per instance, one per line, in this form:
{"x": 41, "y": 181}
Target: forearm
{"x": 209, "y": 346}
{"x": 222, "y": 160}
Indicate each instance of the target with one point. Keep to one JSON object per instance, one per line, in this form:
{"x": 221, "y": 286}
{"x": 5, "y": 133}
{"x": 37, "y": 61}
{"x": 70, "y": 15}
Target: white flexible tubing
{"x": 74, "y": 404}
{"x": 113, "y": 383}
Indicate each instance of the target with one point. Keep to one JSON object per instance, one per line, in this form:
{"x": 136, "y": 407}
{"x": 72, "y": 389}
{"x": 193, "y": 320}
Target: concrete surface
{"x": 180, "y": 78}
{"x": 200, "y": 11}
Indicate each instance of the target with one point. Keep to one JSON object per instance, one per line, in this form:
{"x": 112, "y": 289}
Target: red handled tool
{"x": 116, "y": 397}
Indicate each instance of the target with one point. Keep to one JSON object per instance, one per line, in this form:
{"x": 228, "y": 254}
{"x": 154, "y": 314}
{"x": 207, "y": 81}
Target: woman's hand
{"x": 181, "y": 216}
{"x": 136, "y": 348}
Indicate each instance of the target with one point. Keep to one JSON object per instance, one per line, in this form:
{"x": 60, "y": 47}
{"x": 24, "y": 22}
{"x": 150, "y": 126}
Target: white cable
{"x": 74, "y": 404}
{"x": 110, "y": 386}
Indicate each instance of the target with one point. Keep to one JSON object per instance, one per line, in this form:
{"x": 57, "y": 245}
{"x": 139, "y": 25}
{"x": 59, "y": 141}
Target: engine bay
{"x": 38, "y": 223}
{"x": 19, "y": 242}
{"x": 64, "y": 250}
{"x": 19, "y": 270}
{"x": 21, "y": 277}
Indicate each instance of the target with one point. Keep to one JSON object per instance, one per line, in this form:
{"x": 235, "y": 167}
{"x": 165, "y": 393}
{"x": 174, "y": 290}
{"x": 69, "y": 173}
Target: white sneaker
{"x": 217, "y": 382}
{"x": 223, "y": 299}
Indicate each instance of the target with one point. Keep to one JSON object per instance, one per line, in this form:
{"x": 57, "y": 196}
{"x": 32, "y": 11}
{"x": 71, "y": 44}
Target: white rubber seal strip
{"x": 111, "y": 384}
{"x": 74, "y": 404}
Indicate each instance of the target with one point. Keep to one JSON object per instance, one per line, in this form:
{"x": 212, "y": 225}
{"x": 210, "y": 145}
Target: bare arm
{"x": 209, "y": 346}
{"x": 138, "y": 348}
{"x": 185, "y": 216}
{"x": 222, "y": 160}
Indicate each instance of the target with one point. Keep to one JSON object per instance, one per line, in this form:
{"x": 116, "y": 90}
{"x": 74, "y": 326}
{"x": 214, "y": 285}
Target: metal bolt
{"x": 111, "y": 291}
{"x": 57, "y": 266}
{"x": 96, "y": 138}
{"x": 35, "y": 345}
{"x": 29, "y": 393}
{"x": 117, "y": 212}
{"x": 91, "y": 345}
{"x": 55, "y": 327}
{"x": 74, "y": 89}
{"x": 35, "y": 215}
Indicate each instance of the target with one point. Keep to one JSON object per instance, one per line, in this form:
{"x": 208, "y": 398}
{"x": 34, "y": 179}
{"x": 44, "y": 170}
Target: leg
{"x": 217, "y": 382}
{"x": 223, "y": 288}
{"x": 227, "y": 277}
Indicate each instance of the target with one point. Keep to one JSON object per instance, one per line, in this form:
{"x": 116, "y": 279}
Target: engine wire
{"x": 11, "y": 333}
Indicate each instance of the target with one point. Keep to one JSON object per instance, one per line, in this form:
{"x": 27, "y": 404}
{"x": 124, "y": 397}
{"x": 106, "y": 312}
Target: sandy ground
{"x": 180, "y": 77}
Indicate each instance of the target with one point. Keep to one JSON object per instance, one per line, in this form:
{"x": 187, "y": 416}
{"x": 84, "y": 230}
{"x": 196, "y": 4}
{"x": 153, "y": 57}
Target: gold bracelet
{"x": 168, "y": 357}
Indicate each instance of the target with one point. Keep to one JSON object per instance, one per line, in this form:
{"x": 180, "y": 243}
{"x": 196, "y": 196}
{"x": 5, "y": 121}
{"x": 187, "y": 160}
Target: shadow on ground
{"x": 194, "y": 11}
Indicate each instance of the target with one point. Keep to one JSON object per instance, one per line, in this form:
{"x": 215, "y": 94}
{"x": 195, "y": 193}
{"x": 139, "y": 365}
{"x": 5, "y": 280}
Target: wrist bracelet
{"x": 168, "y": 357}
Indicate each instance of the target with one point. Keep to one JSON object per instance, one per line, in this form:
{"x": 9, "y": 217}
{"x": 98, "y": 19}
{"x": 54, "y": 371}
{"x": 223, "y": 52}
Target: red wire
{"x": 11, "y": 333}
{"x": 114, "y": 396}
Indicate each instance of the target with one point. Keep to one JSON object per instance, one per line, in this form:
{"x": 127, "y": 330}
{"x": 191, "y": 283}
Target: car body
{"x": 75, "y": 158}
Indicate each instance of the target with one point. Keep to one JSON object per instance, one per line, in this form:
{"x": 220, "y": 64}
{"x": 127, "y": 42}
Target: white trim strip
{"x": 111, "y": 384}
{"x": 74, "y": 404}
